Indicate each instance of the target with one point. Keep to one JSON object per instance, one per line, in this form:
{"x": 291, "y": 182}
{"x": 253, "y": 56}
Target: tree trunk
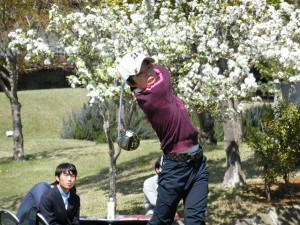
{"x": 18, "y": 146}
{"x": 267, "y": 191}
{"x": 9, "y": 85}
{"x": 112, "y": 164}
{"x": 207, "y": 122}
{"x": 234, "y": 176}
{"x": 113, "y": 155}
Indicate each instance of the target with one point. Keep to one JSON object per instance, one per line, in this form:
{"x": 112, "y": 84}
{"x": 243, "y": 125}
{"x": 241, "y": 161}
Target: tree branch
{"x": 3, "y": 86}
{"x": 4, "y": 73}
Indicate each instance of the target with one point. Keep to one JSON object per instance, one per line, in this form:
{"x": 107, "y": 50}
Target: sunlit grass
{"x": 42, "y": 114}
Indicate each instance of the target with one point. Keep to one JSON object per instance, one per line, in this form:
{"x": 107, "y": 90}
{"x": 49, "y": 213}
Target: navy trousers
{"x": 181, "y": 180}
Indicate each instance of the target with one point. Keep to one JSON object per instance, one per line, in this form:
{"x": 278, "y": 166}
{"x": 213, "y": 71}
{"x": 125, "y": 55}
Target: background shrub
{"x": 87, "y": 124}
{"x": 276, "y": 144}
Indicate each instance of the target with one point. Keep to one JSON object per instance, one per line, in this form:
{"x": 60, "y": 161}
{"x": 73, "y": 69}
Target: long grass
{"x": 42, "y": 114}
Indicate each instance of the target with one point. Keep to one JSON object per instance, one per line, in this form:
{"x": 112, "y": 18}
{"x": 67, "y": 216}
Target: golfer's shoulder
{"x": 162, "y": 69}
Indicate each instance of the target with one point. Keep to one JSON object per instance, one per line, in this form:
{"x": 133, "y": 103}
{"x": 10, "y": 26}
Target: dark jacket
{"x": 53, "y": 209}
{"x": 28, "y": 216}
{"x": 32, "y": 198}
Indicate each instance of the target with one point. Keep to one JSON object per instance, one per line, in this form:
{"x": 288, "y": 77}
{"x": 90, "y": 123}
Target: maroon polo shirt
{"x": 167, "y": 114}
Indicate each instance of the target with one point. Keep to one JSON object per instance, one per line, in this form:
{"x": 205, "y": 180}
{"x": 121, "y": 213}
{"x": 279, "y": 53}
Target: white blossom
{"x": 222, "y": 43}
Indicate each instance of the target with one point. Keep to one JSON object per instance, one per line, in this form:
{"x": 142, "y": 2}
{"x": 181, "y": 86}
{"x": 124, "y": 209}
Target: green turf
{"x": 42, "y": 113}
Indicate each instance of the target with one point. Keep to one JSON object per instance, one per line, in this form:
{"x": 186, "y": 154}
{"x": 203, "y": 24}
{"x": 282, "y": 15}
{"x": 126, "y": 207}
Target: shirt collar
{"x": 137, "y": 90}
{"x": 63, "y": 194}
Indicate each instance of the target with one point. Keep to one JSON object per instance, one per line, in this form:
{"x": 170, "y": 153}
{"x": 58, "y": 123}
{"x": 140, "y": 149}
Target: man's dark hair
{"x": 130, "y": 81}
{"x": 65, "y": 168}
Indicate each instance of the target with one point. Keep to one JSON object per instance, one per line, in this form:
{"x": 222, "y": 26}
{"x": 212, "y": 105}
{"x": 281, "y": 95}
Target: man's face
{"x": 145, "y": 77}
{"x": 66, "y": 180}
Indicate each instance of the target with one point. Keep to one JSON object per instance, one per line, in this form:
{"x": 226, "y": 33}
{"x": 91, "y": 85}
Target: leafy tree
{"x": 276, "y": 144}
{"x": 22, "y": 48}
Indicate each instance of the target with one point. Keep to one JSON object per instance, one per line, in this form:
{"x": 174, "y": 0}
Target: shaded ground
{"x": 283, "y": 209}
{"x": 255, "y": 190}
{"x": 249, "y": 201}
{"x": 248, "y": 205}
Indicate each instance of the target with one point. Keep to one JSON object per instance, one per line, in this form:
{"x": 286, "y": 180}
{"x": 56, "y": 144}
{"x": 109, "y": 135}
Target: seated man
{"x": 59, "y": 205}
{"x": 32, "y": 198}
{"x": 149, "y": 189}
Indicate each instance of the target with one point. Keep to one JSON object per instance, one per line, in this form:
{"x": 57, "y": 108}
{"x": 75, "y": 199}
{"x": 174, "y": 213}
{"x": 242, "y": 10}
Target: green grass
{"x": 42, "y": 114}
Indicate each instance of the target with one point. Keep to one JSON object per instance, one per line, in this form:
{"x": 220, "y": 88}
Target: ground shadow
{"x": 125, "y": 183}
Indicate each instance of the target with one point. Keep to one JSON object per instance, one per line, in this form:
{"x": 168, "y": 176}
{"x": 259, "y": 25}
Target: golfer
{"x": 183, "y": 172}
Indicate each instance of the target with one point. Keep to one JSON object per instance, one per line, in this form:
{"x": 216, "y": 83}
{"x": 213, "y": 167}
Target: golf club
{"x": 127, "y": 140}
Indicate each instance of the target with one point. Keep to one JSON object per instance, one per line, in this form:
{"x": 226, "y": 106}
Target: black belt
{"x": 185, "y": 157}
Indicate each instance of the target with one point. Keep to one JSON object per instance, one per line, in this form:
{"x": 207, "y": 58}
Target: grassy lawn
{"x": 42, "y": 113}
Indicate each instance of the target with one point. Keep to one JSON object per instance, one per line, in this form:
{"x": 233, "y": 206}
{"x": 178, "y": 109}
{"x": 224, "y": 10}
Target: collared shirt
{"x": 167, "y": 114}
{"x": 65, "y": 196}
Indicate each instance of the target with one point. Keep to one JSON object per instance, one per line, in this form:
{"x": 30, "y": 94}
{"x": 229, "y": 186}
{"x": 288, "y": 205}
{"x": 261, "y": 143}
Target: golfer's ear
{"x": 150, "y": 80}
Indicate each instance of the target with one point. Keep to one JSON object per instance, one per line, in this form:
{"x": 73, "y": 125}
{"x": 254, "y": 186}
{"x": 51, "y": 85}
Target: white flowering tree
{"x": 233, "y": 39}
{"x": 18, "y": 50}
{"x": 93, "y": 40}
{"x": 209, "y": 46}
{"x": 21, "y": 48}
{"x": 197, "y": 41}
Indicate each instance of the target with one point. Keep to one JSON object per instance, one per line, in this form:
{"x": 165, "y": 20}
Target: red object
{"x": 131, "y": 217}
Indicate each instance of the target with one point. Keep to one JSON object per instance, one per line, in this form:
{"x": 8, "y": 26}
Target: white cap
{"x": 131, "y": 64}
